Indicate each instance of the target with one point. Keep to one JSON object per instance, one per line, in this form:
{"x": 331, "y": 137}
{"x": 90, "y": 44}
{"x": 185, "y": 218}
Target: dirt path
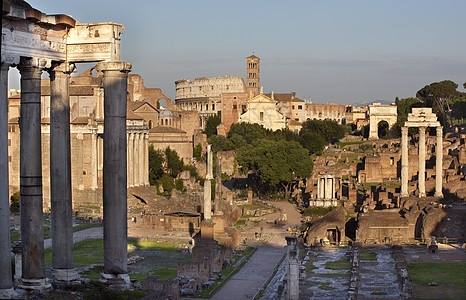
{"x": 90, "y": 233}
{"x": 255, "y": 273}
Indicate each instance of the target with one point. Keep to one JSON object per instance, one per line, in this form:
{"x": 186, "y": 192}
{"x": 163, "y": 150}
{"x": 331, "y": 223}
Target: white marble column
{"x": 404, "y": 161}
{"x": 32, "y": 228}
{"x": 422, "y": 162}
{"x": 60, "y": 173}
{"x": 6, "y": 283}
{"x": 115, "y": 172}
{"x": 208, "y": 186}
{"x": 135, "y": 159}
{"x": 439, "y": 163}
{"x": 130, "y": 159}
{"x": 293, "y": 268}
{"x": 146, "y": 157}
{"x": 141, "y": 159}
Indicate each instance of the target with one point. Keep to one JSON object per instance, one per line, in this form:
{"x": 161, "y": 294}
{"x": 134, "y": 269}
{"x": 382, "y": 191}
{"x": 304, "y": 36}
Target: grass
{"x": 85, "y": 253}
{"x": 367, "y": 255}
{"x": 334, "y": 275}
{"x": 326, "y": 286}
{"x": 253, "y": 206}
{"x": 453, "y": 273}
{"x": 164, "y": 246}
{"x": 240, "y": 222}
{"x": 98, "y": 290}
{"x": 80, "y": 227}
{"x": 343, "y": 145}
{"x": 378, "y": 293}
{"x": 341, "y": 264}
{"x": 317, "y": 211}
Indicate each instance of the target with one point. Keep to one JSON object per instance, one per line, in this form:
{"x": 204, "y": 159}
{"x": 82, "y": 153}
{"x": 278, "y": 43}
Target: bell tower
{"x": 252, "y": 75}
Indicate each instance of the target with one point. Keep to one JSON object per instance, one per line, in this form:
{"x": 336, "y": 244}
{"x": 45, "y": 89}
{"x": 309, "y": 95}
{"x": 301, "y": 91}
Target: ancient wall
{"x": 162, "y": 137}
{"x": 334, "y": 112}
{"x": 211, "y": 87}
{"x": 233, "y": 105}
{"x": 138, "y": 92}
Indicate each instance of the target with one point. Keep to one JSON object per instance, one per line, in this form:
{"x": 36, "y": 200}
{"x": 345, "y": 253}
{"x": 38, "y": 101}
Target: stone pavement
{"x": 90, "y": 233}
{"x": 255, "y": 273}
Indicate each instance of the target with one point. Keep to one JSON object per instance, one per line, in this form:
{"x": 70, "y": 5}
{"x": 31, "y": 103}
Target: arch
{"x": 383, "y": 129}
{"x": 378, "y": 113}
{"x": 161, "y": 103}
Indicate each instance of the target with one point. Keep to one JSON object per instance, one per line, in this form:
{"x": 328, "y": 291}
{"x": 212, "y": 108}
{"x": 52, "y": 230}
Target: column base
{"x": 34, "y": 284}
{"x": 422, "y": 195}
{"x": 65, "y": 274}
{"x": 120, "y": 281}
{"x": 438, "y": 194}
{"x": 404, "y": 195}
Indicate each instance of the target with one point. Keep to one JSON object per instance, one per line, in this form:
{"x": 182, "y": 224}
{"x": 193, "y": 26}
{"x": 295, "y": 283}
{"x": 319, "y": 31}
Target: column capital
{"x": 422, "y": 128}
{"x": 62, "y": 67}
{"x": 439, "y": 130}
{"x": 404, "y": 129}
{"x": 121, "y": 66}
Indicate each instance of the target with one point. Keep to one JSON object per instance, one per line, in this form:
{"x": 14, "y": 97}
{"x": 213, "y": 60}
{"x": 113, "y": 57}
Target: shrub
{"x": 14, "y": 206}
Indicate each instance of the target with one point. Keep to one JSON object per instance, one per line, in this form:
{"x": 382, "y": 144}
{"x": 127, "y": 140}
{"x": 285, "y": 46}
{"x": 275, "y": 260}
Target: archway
{"x": 383, "y": 130}
{"x": 161, "y": 103}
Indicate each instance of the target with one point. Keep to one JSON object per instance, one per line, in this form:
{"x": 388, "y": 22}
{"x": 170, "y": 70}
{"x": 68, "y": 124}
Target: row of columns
{"x": 138, "y": 159}
{"x": 422, "y": 162}
{"x": 326, "y": 188}
{"x": 114, "y": 174}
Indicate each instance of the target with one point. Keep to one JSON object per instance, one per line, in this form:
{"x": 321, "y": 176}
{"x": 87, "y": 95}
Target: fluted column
{"x": 130, "y": 158}
{"x": 60, "y": 172}
{"x": 135, "y": 159}
{"x": 422, "y": 162}
{"x": 6, "y": 282}
{"x": 94, "y": 169}
{"x": 115, "y": 172}
{"x": 146, "y": 157}
{"x": 141, "y": 159}
{"x": 439, "y": 162}
{"x": 32, "y": 229}
{"x": 404, "y": 161}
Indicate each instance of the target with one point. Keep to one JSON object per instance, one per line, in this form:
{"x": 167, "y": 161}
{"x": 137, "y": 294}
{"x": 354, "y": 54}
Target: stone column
{"x": 141, "y": 159}
{"x": 293, "y": 268}
{"x": 404, "y": 161}
{"x": 114, "y": 172}
{"x": 439, "y": 162}
{"x": 32, "y": 229}
{"x": 6, "y": 283}
{"x": 60, "y": 174}
{"x": 146, "y": 162}
{"x": 130, "y": 158}
{"x": 94, "y": 151}
{"x": 208, "y": 186}
{"x": 135, "y": 159}
{"x": 422, "y": 162}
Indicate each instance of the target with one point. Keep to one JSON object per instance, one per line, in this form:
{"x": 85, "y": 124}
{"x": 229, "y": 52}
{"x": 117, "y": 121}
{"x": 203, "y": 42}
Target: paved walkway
{"x": 90, "y": 233}
{"x": 253, "y": 275}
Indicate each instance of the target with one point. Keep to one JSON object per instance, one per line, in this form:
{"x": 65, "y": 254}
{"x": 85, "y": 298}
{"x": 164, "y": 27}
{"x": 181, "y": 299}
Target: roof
{"x": 134, "y": 105}
{"x": 253, "y": 56}
{"x": 166, "y": 113}
{"x": 132, "y": 116}
{"x": 282, "y": 96}
{"x": 294, "y": 123}
{"x": 166, "y": 129}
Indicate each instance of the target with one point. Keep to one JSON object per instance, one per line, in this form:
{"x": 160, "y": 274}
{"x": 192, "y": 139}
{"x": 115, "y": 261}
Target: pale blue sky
{"x": 343, "y": 52}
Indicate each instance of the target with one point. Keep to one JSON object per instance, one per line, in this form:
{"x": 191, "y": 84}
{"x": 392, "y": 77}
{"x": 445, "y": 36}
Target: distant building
{"x": 263, "y": 110}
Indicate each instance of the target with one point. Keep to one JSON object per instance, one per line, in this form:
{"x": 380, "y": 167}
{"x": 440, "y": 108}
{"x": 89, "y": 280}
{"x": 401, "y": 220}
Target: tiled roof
{"x": 166, "y": 129}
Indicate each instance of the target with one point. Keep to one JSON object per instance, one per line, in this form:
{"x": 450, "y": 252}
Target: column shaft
{"x": 404, "y": 162}
{"x": 60, "y": 170}
{"x": 32, "y": 230}
{"x": 5, "y": 249}
{"x": 439, "y": 163}
{"x": 94, "y": 150}
{"x": 422, "y": 162}
{"x": 114, "y": 172}
{"x": 141, "y": 159}
{"x": 146, "y": 156}
{"x": 136, "y": 160}
{"x": 131, "y": 159}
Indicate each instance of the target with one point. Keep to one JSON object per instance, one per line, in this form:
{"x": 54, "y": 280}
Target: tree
{"x": 156, "y": 160}
{"x": 276, "y": 163}
{"x": 329, "y": 130}
{"x": 248, "y": 131}
{"x": 312, "y": 141}
{"x": 220, "y": 143}
{"x": 174, "y": 163}
{"x": 211, "y": 125}
{"x": 438, "y": 95}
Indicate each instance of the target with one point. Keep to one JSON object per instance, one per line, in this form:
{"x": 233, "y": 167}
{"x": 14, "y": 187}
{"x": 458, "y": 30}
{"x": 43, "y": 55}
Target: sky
{"x": 344, "y": 52}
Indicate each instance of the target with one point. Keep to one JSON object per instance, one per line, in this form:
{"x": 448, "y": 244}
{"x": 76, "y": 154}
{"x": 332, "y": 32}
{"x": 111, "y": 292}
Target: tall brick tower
{"x": 252, "y": 76}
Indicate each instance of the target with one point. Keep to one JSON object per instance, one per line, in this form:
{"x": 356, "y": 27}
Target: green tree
{"x": 329, "y": 130}
{"x": 197, "y": 152}
{"x": 156, "y": 160}
{"x": 237, "y": 140}
{"x": 174, "y": 163}
{"x": 248, "y": 131}
{"x": 276, "y": 163}
{"x": 312, "y": 141}
{"x": 14, "y": 206}
{"x": 220, "y": 143}
{"x": 458, "y": 108}
{"x": 211, "y": 125}
{"x": 438, "y": 95}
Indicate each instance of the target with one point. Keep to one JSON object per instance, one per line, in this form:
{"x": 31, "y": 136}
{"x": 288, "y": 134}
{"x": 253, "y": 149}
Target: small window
{"x": 235, "y": 106}
{"x": 392, "y": 161}
{"x": 296, "y": 119}
{"x": 292, "y": 106}
{"x": 262, "y": 116}
{"x": 300, "y": 107}
{"x": 213, "y": 106}
{"x": 207, "y": 107}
